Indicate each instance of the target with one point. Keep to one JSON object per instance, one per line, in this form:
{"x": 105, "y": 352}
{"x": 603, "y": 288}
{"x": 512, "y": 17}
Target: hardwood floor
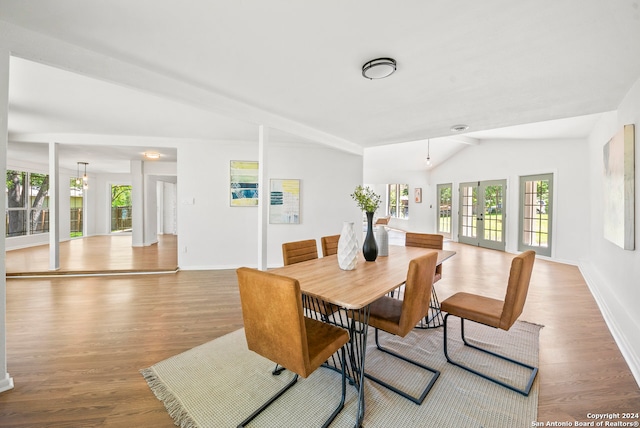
{"x": 96, "y": 254}
{"x": 75, "y": 345}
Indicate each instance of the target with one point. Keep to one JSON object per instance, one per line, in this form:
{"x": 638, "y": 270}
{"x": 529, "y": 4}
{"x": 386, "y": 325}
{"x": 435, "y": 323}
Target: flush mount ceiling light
{"x": 459, "y": 128}
{"x": 152, "y": 155}
{"x": 379, "y": 68}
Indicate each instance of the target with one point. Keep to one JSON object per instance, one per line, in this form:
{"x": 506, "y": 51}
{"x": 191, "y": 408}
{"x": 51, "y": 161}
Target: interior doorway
{"x": 482, "y": 213}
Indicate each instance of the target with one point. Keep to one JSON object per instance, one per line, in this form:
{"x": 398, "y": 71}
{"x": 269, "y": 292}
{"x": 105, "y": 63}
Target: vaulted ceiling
{"x": 489, "y": 65}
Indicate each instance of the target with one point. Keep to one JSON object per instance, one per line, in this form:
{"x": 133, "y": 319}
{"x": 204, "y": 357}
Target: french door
{"x": 482, "y": 213}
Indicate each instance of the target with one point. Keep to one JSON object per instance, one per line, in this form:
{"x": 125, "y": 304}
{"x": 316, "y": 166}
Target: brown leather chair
{"x": 399, "y": 317}
{"x": 329, "y": 245}
{"x": 435, "y": 242}
{"x": 426, "y": 240}
{"x": 494, "y": 313}
{"x": 301, "y": 251}
{"x": 280, "y": 332}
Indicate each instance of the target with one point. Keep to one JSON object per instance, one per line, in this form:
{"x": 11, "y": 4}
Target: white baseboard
{"x": 614, "y": 322}
{"x": 6, "y": 383}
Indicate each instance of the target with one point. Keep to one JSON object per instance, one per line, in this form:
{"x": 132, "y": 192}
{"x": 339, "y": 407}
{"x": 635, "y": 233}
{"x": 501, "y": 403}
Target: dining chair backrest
{"x": 299, "y": 251}
{"x": 517, "y": 288}
{"x": 274, "y": 319}
{"x": 424, "y": 240}
{"x": 329, "y": 245}
{"x": 417, "y": 293}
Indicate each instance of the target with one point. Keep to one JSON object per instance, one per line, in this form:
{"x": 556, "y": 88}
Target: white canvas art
{"x": 619, "y": 191}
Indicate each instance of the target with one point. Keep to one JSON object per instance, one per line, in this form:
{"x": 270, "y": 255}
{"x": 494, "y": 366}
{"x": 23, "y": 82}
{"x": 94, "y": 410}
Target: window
{"x": 27, "y": 202}
{"x": 76, "y": 204}
{"x": 444, "y": 209}
{"x": 398, "y": 200}
{"x": 121, "y": 217}
{"x": 536, "y": 195}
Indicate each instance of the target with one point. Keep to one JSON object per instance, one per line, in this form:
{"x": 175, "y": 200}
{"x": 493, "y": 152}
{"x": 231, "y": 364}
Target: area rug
{"x": 221, "y": 382}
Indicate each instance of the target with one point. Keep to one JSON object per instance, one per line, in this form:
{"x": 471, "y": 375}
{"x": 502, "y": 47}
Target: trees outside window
{"x": 27, "y": 203}
{"x": 398, "y": 200}
{"x": 444, "y": 209}
{"x": 76, "y": 214}
{"x": 120, "y": 208}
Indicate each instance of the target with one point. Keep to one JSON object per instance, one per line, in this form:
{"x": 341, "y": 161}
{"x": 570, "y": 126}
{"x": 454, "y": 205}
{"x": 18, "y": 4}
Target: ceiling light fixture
{"x": 459, "y": 128}
{"x": 428, "y": 153}
{"x": 379, "y": 68}
{"x": 152, "y": 155}
{"x": 85, "y": 179}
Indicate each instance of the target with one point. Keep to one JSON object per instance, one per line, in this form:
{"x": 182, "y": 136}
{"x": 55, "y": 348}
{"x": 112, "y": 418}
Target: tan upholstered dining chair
{"x": 301, "y": 251}
{"x": 435, "y": 242}
{"x": 399, "y": 317}
{"x": 495, "y": 313}
{"x": 426, "y": 240}
{"x": 280, "y": 332}
{"x": 329, "y": 245}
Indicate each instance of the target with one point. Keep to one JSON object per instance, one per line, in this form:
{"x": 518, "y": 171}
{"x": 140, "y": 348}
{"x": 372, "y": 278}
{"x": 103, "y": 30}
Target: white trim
{"x": 6, "y": 383}
{"x": 594, "y": 283}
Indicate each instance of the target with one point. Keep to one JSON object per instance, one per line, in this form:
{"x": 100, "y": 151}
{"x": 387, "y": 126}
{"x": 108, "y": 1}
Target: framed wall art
{"x": 417, "y": 195}
{"x": 244, "y": 184}
{"x": 284, "y": 201}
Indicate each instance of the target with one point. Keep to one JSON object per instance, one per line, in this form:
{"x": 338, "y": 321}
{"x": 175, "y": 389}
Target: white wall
{"x": 216, "y": 235}
{"x": 505, "y": 159}
{"x": 612, "y": 273}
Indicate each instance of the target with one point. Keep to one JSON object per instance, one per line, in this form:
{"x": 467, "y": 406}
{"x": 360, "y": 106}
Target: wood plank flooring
{"x": 96, "y": 254}
{"x": 75, "y": 345}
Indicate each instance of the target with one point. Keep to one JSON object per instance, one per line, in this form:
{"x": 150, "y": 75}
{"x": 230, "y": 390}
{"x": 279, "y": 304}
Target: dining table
{"x": 342, "y": 296}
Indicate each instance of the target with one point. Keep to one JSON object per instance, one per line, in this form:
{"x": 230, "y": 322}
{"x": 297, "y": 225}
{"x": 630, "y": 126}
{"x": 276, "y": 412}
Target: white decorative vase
{"x": 347, "y": 247}
{"x": 382, "y": 238}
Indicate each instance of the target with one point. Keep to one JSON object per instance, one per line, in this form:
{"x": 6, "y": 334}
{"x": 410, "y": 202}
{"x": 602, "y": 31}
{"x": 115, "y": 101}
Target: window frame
{"x": 398, "y": 206}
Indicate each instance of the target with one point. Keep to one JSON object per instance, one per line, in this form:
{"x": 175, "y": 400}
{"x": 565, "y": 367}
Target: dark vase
{"x": 370, "y": 248}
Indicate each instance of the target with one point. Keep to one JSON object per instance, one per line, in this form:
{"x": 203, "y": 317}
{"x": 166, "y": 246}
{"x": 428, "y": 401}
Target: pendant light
{"x": 85, "y": 179}
{"x": 428, "y": 153}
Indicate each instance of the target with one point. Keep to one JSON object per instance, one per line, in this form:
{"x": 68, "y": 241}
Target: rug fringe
{"x": 174, "y": 407}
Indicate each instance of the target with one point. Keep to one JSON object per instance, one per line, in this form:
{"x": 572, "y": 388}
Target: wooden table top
{"x": 354, "y": 289}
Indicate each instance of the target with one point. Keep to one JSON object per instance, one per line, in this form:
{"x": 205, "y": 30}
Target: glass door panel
{"x": 482, "y": 213}
{"x": 468, "y": 213}
{"x": 444, "y": 209}
{"x": 492, "y": 235}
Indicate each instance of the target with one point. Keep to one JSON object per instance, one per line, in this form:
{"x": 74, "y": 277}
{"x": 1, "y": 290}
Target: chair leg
{"x": 277, "y": 370}
{"x": 269, "y": 402}
{"x": 534, "y": 370}
{"x": 338, "y": 409}
{"x": 335, "y": 413}
{"x": 417, "y": 400}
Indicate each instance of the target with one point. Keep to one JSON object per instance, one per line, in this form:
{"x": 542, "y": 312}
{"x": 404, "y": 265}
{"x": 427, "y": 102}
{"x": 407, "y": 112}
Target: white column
{"x": 6, "y": 382}
{"x": 54, "y": 208}
{"x": 137, "y": 203}
{"x": 263, "y": 199}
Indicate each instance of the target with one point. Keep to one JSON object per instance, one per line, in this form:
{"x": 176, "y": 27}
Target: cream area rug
{"x": 221, "y": 382}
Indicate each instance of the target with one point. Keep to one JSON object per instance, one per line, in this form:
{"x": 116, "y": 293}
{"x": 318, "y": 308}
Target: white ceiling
{"x": 491, "y": 65}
